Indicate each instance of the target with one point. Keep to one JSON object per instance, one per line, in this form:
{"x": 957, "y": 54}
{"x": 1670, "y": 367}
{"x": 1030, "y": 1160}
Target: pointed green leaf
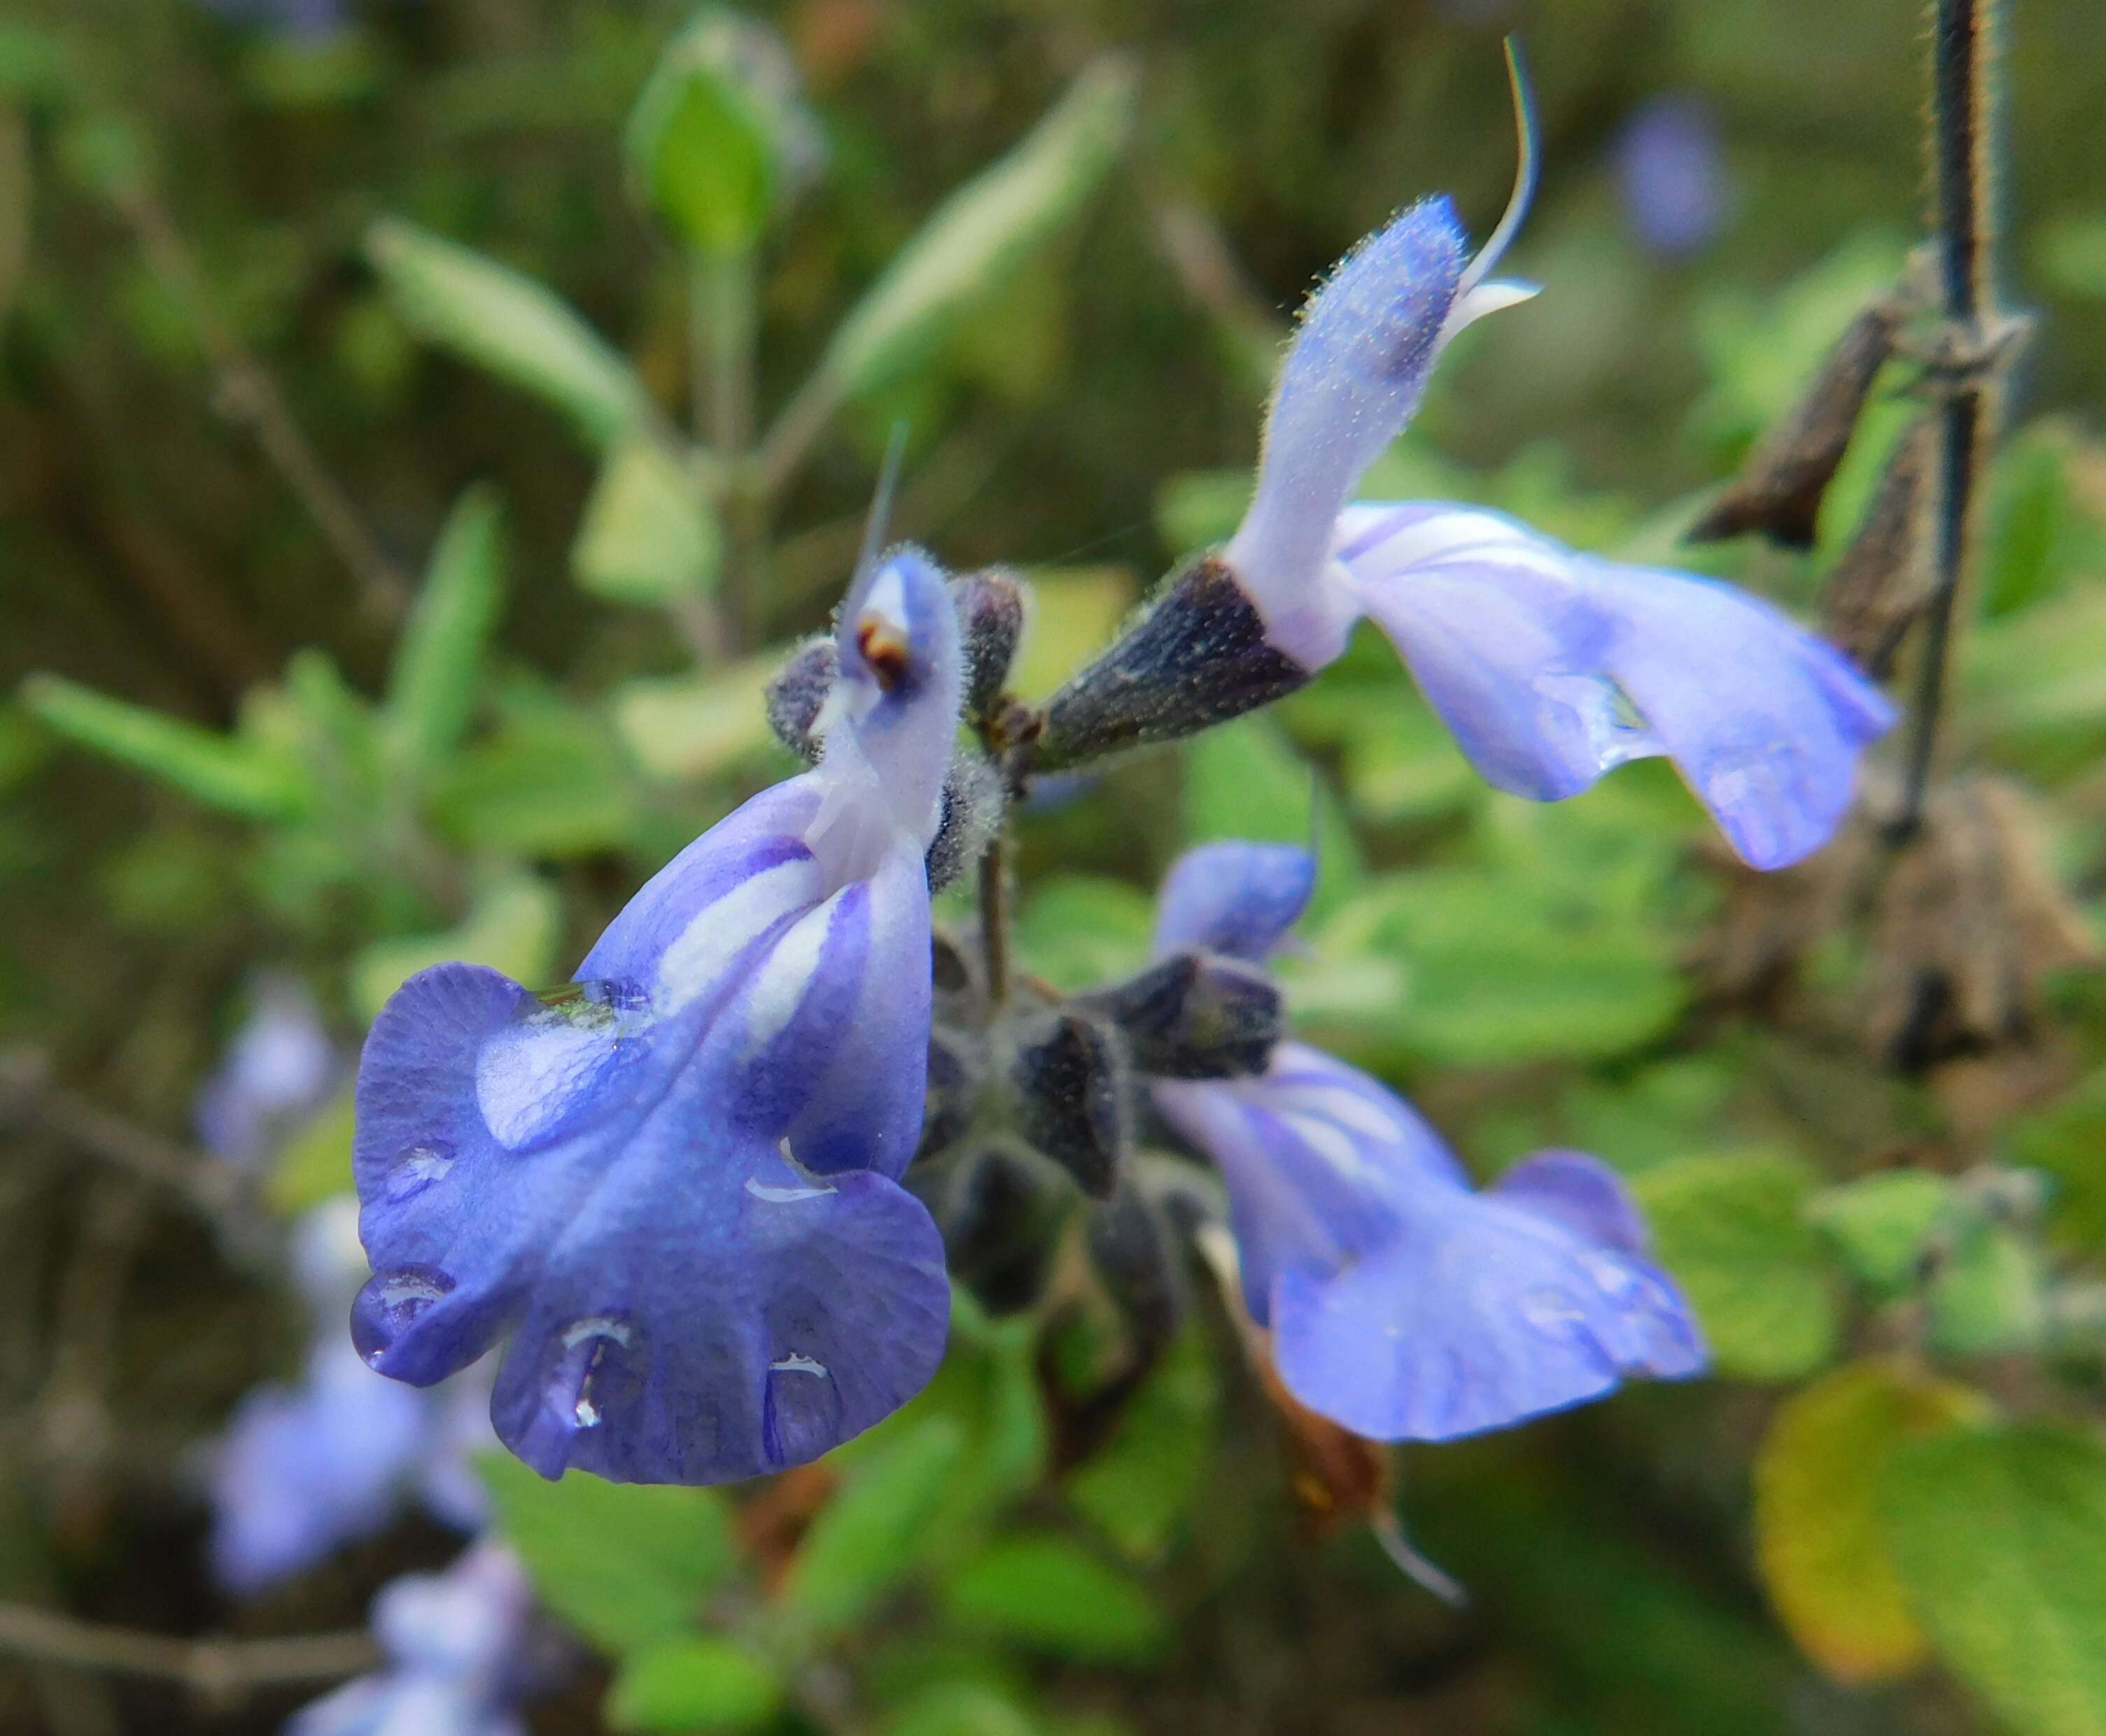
{"x": 866, "y": 1539}
{"x": 985, "y": 230}
{"x": 627, "y": 1565}
{"x": 432, "y": 691}
{"x": 699, "y": 141}
{"x": 1999, "y": 1537}
{"x": 649, "y": 534}
{"x": 701, "y": 1682}
{"x": 502, "y": 319}
{"x": 1050, "y": 1593}
{"x": 1880, "y": 1224}
{"x": 222, "y": 771}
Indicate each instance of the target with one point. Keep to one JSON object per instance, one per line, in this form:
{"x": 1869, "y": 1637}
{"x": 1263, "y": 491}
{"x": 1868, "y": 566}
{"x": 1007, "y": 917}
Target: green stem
{"x": 724, "y": 329}
{"x": 994, "y": 918}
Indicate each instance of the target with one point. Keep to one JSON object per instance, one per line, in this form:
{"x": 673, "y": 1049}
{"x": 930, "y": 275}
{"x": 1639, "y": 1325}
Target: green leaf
{"x": 1047, "y": 1592}
{"x": 1077, "y": 929}
{"x": 648, "y": 535}
{"x": 1819, "y": 1539}
{"x": 685, "y": 727}
{"x": 866, "y": 1538}
{"x": 505, "y": 321}
{"x": 1999, "y": 1537}
{"x": 1734, "y": 1232}
{"x": 1880, "y": 1224}
{"x": 1246, "y": 781}
{"x": 2028, "y": 496}
{"x": 315, "y": 1165}
{"x": 553, "y": 780}
{"x": 627, "y": 1565}
{"x": 2064, "y": 1140}
{"x": 514, "y": 927}
{"x": 1501, "y": 969}
{"x": 2071, "y": 251}
{"x": 1142, "y": 1485}
{"x": 698, "y": 141}
{"x": 1992, "y": 1297}
{"x": 1074, "y": 612}
{"x": 431, "y": 692}
{"x": 984, "y": 232}
{"x": 235, "y": 775}
{"x": 961, "y": 1708}
{"x": 700, "y": 1682}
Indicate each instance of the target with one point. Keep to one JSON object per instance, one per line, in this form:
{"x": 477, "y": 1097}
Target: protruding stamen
{"x": 1527, "y": 168}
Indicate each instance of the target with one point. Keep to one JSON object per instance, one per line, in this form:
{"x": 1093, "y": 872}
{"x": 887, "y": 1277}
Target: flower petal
{"x": 1352, "y": 379}
{"x": 1765, "y": 721}
{"x": 1236, "y": 898}
{"x": 1481, "y": 1314}
{"x": 1499, "y": 639}
{"x": 752, "y": 1319}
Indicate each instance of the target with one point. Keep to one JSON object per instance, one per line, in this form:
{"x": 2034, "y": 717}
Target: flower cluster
{"x": 674, "y": 1187}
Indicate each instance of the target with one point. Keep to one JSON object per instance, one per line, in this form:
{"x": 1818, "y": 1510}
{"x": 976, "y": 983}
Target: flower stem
{"x": 994, "y": 918}
{"x": 1964, "y": 147}
{"x": 721, "y": 355}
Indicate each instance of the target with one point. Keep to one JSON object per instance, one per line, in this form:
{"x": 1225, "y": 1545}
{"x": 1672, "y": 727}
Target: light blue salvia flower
{"x": 674, "y": 1185}
{"x": 462, "y": 1648}
{"x": 307, "y": 1467}
{"x": 280, "y": 1068}
{"x": 1550, "y": 667}
{"x": 1671, "y": 174}
{"x": 1402, "y": 1303}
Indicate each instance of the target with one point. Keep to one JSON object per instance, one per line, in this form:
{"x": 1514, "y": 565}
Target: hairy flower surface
{"x": 1549, "y": 667}
{"x": 1402, "y": 1302}
{"x": 674, "y": 1185}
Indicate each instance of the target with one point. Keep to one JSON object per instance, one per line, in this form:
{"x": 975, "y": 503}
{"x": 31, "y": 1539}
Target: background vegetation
{"x": 254, "y": 405}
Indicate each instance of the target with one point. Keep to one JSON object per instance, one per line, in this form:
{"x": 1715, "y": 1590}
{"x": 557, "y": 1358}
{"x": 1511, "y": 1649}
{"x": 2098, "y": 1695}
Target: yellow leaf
{"x": 1818, "y": 1539}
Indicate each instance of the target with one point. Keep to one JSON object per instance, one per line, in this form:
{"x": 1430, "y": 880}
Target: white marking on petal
{"x": 779, "y": 986}
{"x": 529, "y": 1076}
{"x": 695, "y": 961}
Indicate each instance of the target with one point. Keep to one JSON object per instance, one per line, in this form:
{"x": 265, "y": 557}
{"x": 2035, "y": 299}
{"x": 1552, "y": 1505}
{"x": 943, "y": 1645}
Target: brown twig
{"x": 217, "y": 1668}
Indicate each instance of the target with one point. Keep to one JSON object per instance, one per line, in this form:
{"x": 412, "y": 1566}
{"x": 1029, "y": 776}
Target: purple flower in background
{"x": 1549, "y": 667}
{"x": 463, "y": 1648}
{"x": 1404, "y": 1304}
{"x": 279, "y": 1069}
{"x": 303, "y": 19}
{"x": 304, "y": 1469}
{"x": 1671, "y": 174}
{"x": 673, "y": 1186}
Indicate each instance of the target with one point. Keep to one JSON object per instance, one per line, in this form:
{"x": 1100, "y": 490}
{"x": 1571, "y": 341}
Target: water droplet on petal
{"x": 390, "y": 1304}
{"x": 797, "y": 1363}
{"x": 591, "y": 1361}
{"x": 1551, "y": 1310}
{"x": 416, "y": 1168}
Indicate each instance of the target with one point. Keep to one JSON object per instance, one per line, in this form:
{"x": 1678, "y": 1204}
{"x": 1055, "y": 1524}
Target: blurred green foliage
{"x": 501, "y": 260}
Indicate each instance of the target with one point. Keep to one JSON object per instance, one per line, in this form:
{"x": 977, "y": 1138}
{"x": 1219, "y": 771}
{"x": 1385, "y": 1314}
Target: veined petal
{"x": 1551, "y": 668}
{"x": 1480, "y": 1315}
{"x": 1499, "y": 638}
{"x": 1236, "y": 898}
{"x": 1764, "y": 722}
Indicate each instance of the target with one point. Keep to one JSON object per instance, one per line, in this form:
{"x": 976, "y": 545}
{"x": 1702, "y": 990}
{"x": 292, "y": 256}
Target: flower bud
{"x": 1072, "y": 1091}
{"x": 796, "y": 693}
{"x": 971, "y": 814}
{"x": 1194, "y": 1015}
{"x": 991, "y": 605}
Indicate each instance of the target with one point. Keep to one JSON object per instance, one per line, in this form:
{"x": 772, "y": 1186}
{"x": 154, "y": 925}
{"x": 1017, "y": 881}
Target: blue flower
{"x": 1671, "y": 172}
{"x": 1402, "y": 1303}
{"x": 306, "y": 1468}
{"x": 463, "y": 1647}
{"x": 1549, "y": 667}
{"x": 674, "y": 1186}
{"x": 280, "y": 1068}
